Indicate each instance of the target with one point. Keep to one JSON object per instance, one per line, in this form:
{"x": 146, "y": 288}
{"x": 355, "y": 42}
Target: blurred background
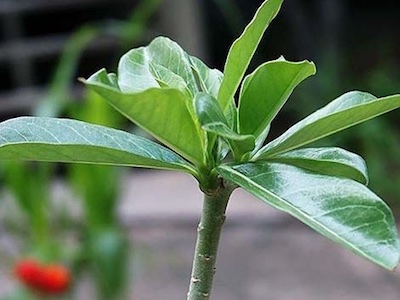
{"x": 129, "y": 234}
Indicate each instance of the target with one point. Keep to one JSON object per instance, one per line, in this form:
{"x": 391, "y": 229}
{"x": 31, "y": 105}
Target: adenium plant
{"x": 192, "y": 110}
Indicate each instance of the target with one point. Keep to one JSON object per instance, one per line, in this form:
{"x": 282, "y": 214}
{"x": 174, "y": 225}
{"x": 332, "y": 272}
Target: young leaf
{"x": 266, "y": 90}
{"x": 164, "y": 113}
{"x": 349, "y": 109}
{"x": 62, "y": 140}
{"x": 231, "y": 116}
{"x": 209, "y": 80}
{"x": 242, "y": 50}
{"x": 341, "y": 209}
{"x": 137, "y": 74}
{"x": 168, "y": 79}
{"x": 240, "y": 144}
{"x": 329, "y": 161}
{"x": 162, "y": 61}
{"x": 213, "y": 120}
{"x": 208, "y": 110}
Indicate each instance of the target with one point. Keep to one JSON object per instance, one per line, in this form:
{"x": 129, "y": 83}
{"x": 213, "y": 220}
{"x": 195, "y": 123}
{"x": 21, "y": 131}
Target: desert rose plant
{"x": 191, "y": 109}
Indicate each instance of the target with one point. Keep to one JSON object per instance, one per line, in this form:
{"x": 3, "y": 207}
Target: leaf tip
{"x": 82, "y": 80}
{"x": 311, "y": 65}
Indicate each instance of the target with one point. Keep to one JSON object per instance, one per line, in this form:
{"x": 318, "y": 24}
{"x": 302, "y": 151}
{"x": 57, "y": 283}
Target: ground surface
{"x": 264, "y": 254}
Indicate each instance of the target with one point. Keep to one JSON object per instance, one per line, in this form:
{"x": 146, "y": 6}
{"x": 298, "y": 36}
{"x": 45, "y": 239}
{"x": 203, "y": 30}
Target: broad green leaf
{"x": 349, "y": 109}
{"x": 329, "y": 161}
{"x": 209, "y": 80}
{"x": 266, "y": 90}
{"x": 136, "y": 74}
{"x": 63, "y": 140}
{"x": 341, "y": 209}
{"x": 213, "y": 120}
{"x": 166, "y": 78}
{"x": 242, "y": 50}
{"x": 164, "y": 113}
{"x": 169, "y": 54}
{"x": 162, "y": 62}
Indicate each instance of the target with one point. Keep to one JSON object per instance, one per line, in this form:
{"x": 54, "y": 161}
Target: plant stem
{"x": 208, "y": 233}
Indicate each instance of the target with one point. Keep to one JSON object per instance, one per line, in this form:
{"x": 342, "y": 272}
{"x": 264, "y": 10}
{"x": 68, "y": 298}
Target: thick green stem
{"x": 208, "y": 233}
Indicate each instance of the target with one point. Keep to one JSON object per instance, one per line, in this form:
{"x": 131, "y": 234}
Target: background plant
{"x": 100, "y": 250}
{"x": 191, "y": 109}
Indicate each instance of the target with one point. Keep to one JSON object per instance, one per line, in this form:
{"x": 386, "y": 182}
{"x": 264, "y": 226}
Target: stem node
{"x": 195, "y": 280}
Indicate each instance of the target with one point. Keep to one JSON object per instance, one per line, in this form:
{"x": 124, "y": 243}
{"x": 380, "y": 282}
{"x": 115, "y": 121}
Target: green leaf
{"x": 261, "y": 138}
{"x": 266, "y": 90}
{"x": 231, "y": 116}
{"x": 63, "y": 140}
{"x": 209, "y": 80}
{"x": 208, "y": 110}
{"x": 329, "y": 161}
{"x": 341, "y": 209}
{"x": 162, "y": 62}
{"x": 242, "y": 50}
{"x": 166, "y": 79}
{"x": 349, "y": 109}
{"x": 164, "y": 113}
{"x": 213, "y": 120}
{"x": 240, "y": 144}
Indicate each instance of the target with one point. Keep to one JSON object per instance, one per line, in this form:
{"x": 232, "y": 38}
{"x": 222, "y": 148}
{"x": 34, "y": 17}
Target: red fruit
{"x": 28, "y": 272}
{"x": 54, "y": 279}
{"x": 47, "y": 279}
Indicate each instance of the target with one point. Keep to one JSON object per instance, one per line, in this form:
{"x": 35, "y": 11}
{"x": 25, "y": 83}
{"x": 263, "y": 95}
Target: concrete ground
{"x": 264, "y": 254}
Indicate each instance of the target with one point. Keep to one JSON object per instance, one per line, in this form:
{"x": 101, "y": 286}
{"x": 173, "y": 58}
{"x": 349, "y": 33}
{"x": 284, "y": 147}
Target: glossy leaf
{"x": 243, "y": 49}
{"x": 349, "y": 109}
{"x": 341, "y": 209}
{"x": 231, "y": 116}
{"x": 208, "y": 110}
{"x": 209, "y": 80}
{"x": 63, "y": 140}
{"x": 162, "y": 62}
{"x": 266, "y": 90}
{"x": 166, "y": 79}
{"x": 329, "y": 161}
{"x": 164, "y": 113}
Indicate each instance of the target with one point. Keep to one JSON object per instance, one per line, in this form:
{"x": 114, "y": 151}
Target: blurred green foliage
{"x": 101, "y": 249}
